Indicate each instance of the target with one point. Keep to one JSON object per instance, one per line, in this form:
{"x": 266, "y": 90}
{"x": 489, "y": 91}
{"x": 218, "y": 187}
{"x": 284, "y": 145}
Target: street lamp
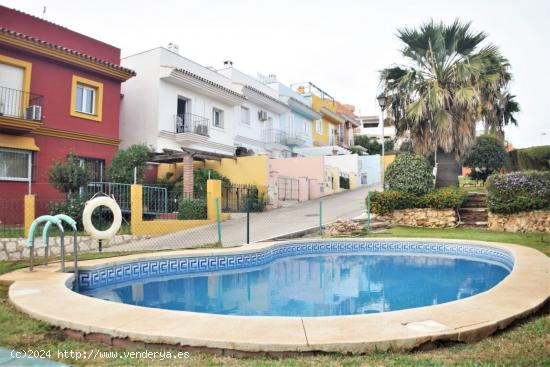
{"x": 382, "y": 100}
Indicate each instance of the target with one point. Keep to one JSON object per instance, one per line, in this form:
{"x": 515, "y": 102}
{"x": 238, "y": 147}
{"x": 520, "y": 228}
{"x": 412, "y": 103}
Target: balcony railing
{"x": 189, "y": 123}
{"x": 274, "y": 136}
{"x": 20, "y": 104}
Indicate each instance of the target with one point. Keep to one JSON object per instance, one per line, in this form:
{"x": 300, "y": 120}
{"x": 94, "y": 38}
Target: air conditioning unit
{"x": 262, "y": 115}
{"x": 33, "y": 113}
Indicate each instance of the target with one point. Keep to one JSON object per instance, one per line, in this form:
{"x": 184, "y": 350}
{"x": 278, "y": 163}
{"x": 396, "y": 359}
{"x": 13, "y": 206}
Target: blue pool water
{"x": 315, "y": 285}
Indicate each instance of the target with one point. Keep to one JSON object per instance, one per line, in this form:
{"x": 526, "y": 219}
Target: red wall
{"x": 50, "y": 32}
{"x": 53, "y": 80}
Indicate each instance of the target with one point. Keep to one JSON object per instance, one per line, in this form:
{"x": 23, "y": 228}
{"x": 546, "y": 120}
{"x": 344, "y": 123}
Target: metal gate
{"x": 235, "y": 197}
{"x": 288, "y": 188}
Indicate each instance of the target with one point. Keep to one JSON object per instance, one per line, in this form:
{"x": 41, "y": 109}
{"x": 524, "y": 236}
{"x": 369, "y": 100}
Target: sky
{"x": 338, "y": 45}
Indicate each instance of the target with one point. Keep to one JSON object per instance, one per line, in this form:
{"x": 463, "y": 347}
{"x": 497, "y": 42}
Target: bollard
{"x": 321, "y": 217}
{"x": 218, "y": 221}
{"x": 368, "y": 212}
{"x": 247, "y": 221}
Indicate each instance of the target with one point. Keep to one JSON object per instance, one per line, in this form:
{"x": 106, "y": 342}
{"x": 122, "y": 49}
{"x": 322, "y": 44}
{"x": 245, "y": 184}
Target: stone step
{"x": 472, "y": 210}
{"x": 479, "y": 224}
{"x": 474, "y": 218}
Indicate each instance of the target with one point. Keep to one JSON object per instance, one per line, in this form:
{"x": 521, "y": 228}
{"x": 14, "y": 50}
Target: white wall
{"x": 346, "y": 163}
{"x": 139, "y": 105}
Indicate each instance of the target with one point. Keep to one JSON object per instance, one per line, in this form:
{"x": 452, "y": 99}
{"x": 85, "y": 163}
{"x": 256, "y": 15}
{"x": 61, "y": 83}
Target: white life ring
{"x": 89, "y": 208}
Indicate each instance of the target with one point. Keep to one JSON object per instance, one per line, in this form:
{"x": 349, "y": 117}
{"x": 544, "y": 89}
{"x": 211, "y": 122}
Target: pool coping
{"x": 44, "y": 295}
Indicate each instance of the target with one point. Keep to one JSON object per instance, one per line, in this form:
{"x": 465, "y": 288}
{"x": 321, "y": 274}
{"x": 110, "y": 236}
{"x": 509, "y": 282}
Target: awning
{"x": 18, "y": 142}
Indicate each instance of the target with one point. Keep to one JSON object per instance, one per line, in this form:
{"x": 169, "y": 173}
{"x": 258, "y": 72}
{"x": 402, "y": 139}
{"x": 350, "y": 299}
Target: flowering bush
{"x": 388, "y": 201}
{"x": 519, "y": 191}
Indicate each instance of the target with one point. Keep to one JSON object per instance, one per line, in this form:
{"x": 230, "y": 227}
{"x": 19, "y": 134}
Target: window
{"x": 15, "y": 165}
{"x": 245, "y": 115}
{"x": 370, "y": 124}
{"x": 319, "y": 126}
{"x": 95, "y": 165}
{"x": 86, "y": 99}
{"x": 217, "y": 118}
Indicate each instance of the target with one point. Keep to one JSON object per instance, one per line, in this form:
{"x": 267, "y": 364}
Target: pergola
{"x": 187, "y": 156}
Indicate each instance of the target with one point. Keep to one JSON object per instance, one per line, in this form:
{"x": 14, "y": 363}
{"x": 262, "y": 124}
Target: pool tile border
{"x": 90, "y": 279}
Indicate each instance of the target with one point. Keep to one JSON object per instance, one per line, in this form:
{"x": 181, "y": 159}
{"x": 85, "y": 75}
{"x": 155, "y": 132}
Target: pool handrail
{"x": 32, "y": 229}
{"x": 71, "y": 222}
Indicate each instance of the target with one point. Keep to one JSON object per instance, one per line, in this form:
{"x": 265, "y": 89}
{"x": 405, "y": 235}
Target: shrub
{"x": 70, "y": 176}
{"x": 519, "y": 191}
{"x": 446, "y": 198}
{"x": 124, "y": 162}
{"x": 409, "y": 173}
{"x": 258, "y": 201}
{"x": 73, "y": 207}
{"x": 192, "y": 209}
{"x": 485, "y": 157}
{"x": 534, "y": 158}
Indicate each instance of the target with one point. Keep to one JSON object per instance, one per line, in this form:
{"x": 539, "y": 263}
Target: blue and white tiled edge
{"x": 90, "y": 279}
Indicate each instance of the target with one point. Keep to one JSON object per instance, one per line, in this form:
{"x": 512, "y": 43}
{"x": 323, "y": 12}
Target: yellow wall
{"x": 388, "y": 159}
{"x": 163, "y": 226}
{"x": 175, "y": 168}
{"x": 317, "y": 103}
{"x": 29, "y": 212}
{"x": 243, "y": 170}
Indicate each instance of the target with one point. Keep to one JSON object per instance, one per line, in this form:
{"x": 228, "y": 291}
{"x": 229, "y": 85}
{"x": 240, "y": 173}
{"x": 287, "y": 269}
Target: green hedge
{"x": 445, "y": 198}
{"x": 192, "y": 209}
{"x": 534, "y": 158}
{"x": 409, "y": 173}
{"x": 518, "y": 192}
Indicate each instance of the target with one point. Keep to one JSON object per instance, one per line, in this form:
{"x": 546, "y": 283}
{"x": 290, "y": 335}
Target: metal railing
{"x": 189, "y": 123}
{"x": 274, "y": 136}
{"x": 20, "y": 104}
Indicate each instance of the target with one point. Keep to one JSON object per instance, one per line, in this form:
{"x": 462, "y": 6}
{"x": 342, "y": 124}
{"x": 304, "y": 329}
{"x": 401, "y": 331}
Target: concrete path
{"x": 263, "y": 226}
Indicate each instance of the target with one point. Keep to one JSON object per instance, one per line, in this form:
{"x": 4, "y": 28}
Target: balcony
{"x": 296, "y": 138}
{"x": 20, "y": 111}
{"x": 189, "y": 123}
{"x": 274, "y": 137}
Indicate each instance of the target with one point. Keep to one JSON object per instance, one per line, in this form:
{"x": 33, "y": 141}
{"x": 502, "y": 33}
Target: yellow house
{"x": 327, "y": 130}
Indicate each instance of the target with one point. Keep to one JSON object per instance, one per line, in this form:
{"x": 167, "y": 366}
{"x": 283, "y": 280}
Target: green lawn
{"x": 526, "y": 343}
{"x": 470, "y": 185}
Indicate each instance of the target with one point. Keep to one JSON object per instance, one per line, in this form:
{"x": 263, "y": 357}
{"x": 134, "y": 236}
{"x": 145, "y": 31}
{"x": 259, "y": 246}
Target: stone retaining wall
{"x": 534, "y": 221}
{"x": 16, "y": 248}
{"x": 422, "y": 217}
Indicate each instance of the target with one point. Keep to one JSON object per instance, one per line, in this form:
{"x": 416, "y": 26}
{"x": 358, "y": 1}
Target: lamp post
{"x": 382, "y": 100}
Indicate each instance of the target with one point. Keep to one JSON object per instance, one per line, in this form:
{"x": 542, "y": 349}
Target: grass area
{"x": 526, "y": 343}
{"x": 470, "y": 185}
{"x": 538, "y": 241}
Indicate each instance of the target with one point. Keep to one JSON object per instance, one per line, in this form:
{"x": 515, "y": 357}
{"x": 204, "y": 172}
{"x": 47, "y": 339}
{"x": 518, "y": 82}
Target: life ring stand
{"x": 92, "y": 205}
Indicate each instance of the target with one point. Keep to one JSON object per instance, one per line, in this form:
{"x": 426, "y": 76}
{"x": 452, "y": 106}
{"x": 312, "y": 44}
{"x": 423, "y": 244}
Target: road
{"x": 263, "y": 226}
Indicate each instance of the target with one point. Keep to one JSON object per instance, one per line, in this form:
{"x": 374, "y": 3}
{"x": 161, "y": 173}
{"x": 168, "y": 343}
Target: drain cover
{"x": 426, "y": 326}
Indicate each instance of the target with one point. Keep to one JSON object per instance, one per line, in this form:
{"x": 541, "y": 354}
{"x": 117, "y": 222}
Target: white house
{"x": 370, "y": 126}
{"x": 175, "y": 103}
{"x": 258, "y": 126}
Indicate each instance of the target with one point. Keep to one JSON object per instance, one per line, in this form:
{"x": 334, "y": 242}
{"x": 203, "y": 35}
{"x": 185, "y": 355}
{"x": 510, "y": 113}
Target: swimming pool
{"x": 46, "y": 294}
{"x": 304, "y": 279}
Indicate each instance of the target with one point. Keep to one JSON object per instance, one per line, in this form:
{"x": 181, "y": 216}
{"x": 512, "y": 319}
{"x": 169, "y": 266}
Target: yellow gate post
{"x": 136, "y": 207}
{"x": 213, "y": 191}
{"x": 29, "y": 212}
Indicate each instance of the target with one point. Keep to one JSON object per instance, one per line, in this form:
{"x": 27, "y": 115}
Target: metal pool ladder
{"x": 56, "y": 220}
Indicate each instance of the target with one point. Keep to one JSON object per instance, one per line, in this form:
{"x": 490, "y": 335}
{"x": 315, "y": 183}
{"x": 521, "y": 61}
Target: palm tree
{"x": 449, "y": 83}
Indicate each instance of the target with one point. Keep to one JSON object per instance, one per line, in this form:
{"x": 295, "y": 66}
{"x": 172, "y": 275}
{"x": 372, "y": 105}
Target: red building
{"x": 59, "y": 93}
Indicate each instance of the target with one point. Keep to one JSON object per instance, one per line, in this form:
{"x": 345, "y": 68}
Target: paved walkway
{"x": 263, "y": 226}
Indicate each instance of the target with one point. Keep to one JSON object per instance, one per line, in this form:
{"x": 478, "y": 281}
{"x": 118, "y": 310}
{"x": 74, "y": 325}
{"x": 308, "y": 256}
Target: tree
{"x": 449, "y": 83}
{"x": 372, "y": 145}
{"x": 70, "y": 176}
{"x": 124, "y": 162}
{"x": 485, "y": 157}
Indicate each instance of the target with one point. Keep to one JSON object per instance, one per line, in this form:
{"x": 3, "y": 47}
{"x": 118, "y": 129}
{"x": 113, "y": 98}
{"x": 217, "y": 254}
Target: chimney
{"x": 228, "y": 63}
{"x": 272, "y": 78}
{"x": 174, "y": 48}
{"x": 301, "y": 89}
